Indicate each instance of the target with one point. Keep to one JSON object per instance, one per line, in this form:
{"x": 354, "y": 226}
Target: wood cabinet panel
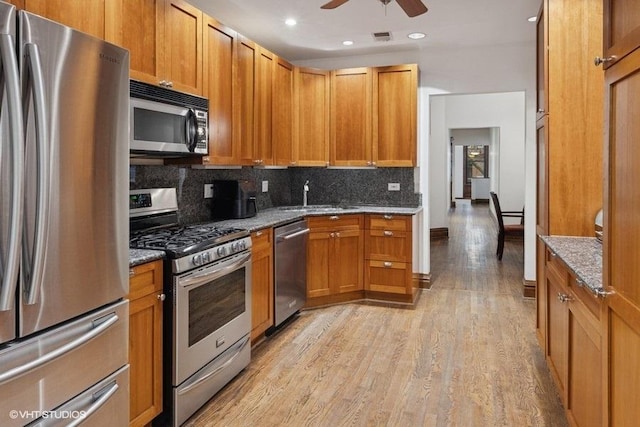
{"x": 621, "y": 27}
{"x": 388, "y": 222}
{"x": 183, "y": 46}
{"x": 318, "y": 258}
{"x": 557, "y": 334}
{"x": 262, "y": 282}
{"x": 541, "y": 296}
{"x": 219, "y": 63}
{"x": 87, "y": 16}
{"x": 346, "y": 269}
{"x": 351, "y": 117}
{"x": 145, "y": 279}
{"x": 311, "y": 117}
{"x": 263, "y": 147}
{"x": 542, "y": 65}
{"x": 395, "y": 115}
{"x": 388, "y": 245}
{"x": 388, "y": 277}
{"x": 282, "y": 113}
{"x": 244, "y": 126}
{"x": 542, "y": 188}
{"x": 336, "y": 222}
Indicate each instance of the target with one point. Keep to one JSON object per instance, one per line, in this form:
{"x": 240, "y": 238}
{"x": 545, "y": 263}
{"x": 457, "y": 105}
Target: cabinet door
{"x": 87, "y": 16}
{"x": 621, "y": 233}
{"x": 319, "y": 248}
{"x": 263, "y": 154}
{"x": 262, "y": 282}
{"x": 542, "y": 65}
{"x": 557, "y": 338}
{"x": 219, "y": 62}
{"x": 311, "y": 117}
{"x": 183, "y": 47}
{"x": 351, "y": 117}
{"x": 346, "y": 266}
{"x": 142, "y": 33}
{"x": 282, "y": 131}
{"x": 395, "y": 111}
{"x": 244, "y": 98}
{"x": 541, "y": 296}
{"x": 621, "y": 28}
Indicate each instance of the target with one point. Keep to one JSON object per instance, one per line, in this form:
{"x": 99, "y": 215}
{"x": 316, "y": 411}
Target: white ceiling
{"x": 449, "y": 24}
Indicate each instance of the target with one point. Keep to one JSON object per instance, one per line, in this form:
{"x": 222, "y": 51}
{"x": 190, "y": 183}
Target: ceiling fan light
{"x": 416, "y": 36}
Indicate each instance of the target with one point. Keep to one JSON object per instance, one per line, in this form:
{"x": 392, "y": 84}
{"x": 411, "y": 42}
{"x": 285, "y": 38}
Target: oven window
{"x": 215, "y": 304}
{"x": 157, "y": 126}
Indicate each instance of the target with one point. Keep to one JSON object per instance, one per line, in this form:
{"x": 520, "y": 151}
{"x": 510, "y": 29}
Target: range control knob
{"x": 234, "y": 247}
{"x": 222, "y": 251}
{"x": 206, "y": 257}
{"x": 242, "y": 245}
{"x": 197, "y": 259}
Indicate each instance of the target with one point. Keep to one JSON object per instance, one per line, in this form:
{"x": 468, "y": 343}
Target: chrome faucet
{"x": 305, "y": 190}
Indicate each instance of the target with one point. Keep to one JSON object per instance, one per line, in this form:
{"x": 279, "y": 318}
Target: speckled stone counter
{"x": 583, "y": 256}
{"x": 277, "y": 216}
{"x": 140, "y": 256}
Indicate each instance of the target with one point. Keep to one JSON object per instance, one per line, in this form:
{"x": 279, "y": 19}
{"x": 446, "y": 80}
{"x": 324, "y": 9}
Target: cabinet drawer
{"x": 555, "y": 264}
{"x": 591, "y": 301}
{"x": 261, "y": 240}
{"x": 145, "y": 279}
{"x": 389, "y": 222}
{"x": 388, "y": 245}
{"x": 389, "y": 277}
{"x": 335, "y": 222}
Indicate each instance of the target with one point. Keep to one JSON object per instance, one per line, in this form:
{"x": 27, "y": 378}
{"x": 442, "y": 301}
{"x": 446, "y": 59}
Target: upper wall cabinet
{"x": 90, "y": 16}
{"x": 311, "y": 117}
{"x": 244, "y": 125}
{"x": 282, "y": 114}
{"x": 164, "y": 38}
{"x": 395, "y": 115}
{"x": 621, "y": 29}
{"x": 263, "y": 147}
{"x": 351, "y": 117}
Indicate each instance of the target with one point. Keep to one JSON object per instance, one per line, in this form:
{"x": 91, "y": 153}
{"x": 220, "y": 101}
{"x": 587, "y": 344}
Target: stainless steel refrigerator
{"x": 63, "y": 225}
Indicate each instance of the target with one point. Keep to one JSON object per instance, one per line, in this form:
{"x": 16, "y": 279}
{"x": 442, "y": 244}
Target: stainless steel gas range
{"x": 207, "y": 320}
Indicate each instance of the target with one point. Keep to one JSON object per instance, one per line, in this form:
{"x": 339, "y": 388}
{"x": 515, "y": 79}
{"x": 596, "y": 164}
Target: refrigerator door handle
{"x": 104, "y": 396}
{"x": 34, "y": 270}
{"x": 98, "y": 327}
{"x": 12, "y": 79}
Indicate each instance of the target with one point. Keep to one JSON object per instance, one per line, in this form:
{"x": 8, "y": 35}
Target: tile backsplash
{"x": 326, "y": 186}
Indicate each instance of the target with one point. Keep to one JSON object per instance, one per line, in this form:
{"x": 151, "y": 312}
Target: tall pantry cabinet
{"x": 621, "y": 251}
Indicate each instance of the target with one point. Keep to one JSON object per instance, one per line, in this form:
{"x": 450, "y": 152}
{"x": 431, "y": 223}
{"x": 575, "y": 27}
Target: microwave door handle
{"x": 14, "y": 112}
{"x": 207, "y": 276}
{"x": 192, "y": 130}
{"x": 35, "y": 265}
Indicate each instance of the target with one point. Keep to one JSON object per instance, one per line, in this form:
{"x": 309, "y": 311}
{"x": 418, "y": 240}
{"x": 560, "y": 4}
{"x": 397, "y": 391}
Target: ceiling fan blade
{"x": 412, "y": 7}
{"x": 333, "y": 4}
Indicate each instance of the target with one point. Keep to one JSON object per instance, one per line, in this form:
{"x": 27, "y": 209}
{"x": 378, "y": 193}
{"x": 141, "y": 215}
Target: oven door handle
{"x": 207, "y": 275}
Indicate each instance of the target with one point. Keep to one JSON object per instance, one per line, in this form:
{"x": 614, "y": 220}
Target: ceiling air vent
{"x": 383, "y": 36}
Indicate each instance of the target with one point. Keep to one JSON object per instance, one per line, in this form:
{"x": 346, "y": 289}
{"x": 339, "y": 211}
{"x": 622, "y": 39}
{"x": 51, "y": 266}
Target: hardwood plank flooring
{"x": 465, "y": 356}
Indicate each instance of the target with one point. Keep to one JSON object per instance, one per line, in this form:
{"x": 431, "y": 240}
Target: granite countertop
{"x": 140, "y": 256}
{"x": 583, "y": 256}
{"x": 278, "y": 216}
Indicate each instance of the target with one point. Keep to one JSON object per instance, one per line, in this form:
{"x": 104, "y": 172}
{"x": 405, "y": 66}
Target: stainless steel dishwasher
{"x": 290, "y": 269}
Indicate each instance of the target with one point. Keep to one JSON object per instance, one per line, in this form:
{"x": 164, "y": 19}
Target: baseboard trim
{"x": 441, "y": 233}
{"x": 529, "y": 288}
{"x": 422, "y": 281}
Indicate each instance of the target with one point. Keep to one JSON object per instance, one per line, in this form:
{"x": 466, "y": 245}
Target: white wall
{"x": 481, "y": 69}
{"x": 458, "y": 171}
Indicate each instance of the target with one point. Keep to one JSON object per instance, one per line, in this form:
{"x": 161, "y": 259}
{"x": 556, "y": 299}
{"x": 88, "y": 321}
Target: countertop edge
{"x": 582, "y": 255}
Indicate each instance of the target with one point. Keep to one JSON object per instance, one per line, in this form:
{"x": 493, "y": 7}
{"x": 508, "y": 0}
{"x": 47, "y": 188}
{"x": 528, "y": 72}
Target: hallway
{"x": 465, "y": 356}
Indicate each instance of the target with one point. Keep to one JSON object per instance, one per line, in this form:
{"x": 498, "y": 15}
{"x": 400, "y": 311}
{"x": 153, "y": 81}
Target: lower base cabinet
{"x": 262, "y": 292}
{"x": 145, "y": 342}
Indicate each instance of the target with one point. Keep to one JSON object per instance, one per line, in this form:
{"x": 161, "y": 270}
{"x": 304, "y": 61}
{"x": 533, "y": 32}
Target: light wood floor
{"x": 465, "y": 356}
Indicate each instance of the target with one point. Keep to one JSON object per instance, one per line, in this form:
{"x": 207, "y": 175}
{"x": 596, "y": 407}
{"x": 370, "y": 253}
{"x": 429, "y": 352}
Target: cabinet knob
{"x": 332, "y": 234}
{"x": 580, "y": 283}
{"x": 163, "y": 83}
{"x": 373, "y": 163}
{"x": 388, "y": 233}
{"x": 388, "y": 264}
{"x": 564, "y": 297}
{"x": 161, "y": 297}
{"x": 603, "y": 293}
{"x": 169, "y": 84}
{"x": 338, "y": 234}
{"x": 599, "y": 61}
{"x": 541, "y": 111}
{"x": 388, "y": 217}
{"x": 258, "y": 233}
{"x": 132, "y": 272}
{"x": 334, "y": 217}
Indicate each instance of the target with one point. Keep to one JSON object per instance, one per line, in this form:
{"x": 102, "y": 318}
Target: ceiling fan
{"x": 411, "y": 7}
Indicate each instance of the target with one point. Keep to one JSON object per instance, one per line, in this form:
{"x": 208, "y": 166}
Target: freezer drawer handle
{"x": 9, "y": 65}
{"x": 81, "y": 340}
{"x": 97, "y": 404}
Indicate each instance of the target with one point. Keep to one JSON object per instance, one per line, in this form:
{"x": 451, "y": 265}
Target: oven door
{"x": 212, "y": 311}
{"x": 164, "y": 128}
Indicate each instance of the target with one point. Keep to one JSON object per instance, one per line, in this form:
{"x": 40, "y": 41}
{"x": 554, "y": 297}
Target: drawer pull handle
{"x": 388, "y": 217}
{"x": 132, "y": 272}
{"x": 579, "y": 282}
{"x": 388, "y": 233}
{"x": 332, "y": 235}
{"x": 553, "y": 254}
{"x": 334, "y": 217}
{"x": 564, "y": 297}
{"x": 388, "y": 264}
{"x": 602, "y": 293}
{"x": 161, "y": 297}
{"x": 258, "y": 233}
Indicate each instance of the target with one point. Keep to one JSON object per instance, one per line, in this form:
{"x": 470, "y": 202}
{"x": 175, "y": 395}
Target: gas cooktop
{"x": 178, "y": 241}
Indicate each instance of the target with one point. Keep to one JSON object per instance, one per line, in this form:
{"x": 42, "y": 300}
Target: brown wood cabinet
{"x": 395, "y": 115}
{"x": 145, "y": 342}
{"x": 262, "y": 282}
{"x": 621, "y": 219}
{"x": 388, "y": 256}
{"x": 351, "y": 117}
{"x": 574, "y": 345}
{"x": 311, "y": 117}
{"x": 164, "y": 38}
{"x": 282, "y": 116}
{"x": 334, "y": 257}
{"x": 263, "y": 146}
{"x": 244, "y": 126}
{"x": 219, "y": 69}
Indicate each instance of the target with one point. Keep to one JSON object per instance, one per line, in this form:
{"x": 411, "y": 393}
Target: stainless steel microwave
{"x": 166, "y": 123}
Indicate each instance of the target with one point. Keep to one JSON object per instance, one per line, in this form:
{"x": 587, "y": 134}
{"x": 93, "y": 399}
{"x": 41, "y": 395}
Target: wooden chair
{"x": 509, "y": 229}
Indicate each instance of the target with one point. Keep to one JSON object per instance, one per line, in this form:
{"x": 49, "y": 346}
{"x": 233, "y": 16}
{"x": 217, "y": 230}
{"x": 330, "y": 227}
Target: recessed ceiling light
{"x": 290, "y": 22}
{"x": 532, "y": 19}
{"x": 347, "y": 42}
{"x": 416, "y": 36}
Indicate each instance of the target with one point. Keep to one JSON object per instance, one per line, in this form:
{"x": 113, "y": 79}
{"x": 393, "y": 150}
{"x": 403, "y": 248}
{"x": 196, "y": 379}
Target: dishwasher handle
{"x": 292, "y": 235}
